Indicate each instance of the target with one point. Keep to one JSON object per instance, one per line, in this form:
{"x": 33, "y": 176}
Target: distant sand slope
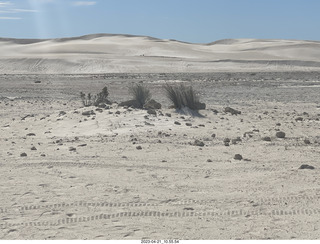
{"x": 108, "y": 53}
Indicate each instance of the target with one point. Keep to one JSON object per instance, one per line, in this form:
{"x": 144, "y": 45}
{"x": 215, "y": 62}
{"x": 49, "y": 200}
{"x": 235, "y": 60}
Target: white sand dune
{"x": 106, "y": 53}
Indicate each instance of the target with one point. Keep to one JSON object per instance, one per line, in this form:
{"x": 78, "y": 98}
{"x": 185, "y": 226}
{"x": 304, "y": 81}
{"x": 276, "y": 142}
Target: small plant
{"x": 140, "y": 94}
{"x": 189, "y": 97}
{"x": 88, "y": 100}
{"x": 101, "y": 97}
{"x": 174, "y": 95}
{"x": 182, "y": 96}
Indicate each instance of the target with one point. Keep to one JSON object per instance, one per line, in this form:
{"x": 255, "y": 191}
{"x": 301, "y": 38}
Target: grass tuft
{"x": 141, "y": 94}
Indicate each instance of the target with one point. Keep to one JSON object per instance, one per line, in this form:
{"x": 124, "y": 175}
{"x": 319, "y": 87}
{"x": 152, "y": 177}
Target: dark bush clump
{"x": 101, "y": 97}
{"x": 183, "y": 96}
{"x": 140, "y": 94}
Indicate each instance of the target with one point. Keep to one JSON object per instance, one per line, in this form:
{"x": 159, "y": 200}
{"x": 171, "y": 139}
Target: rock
{"x": 198, "y": 143}
{"x": 100, "y": 110}
{"x": 37, "y": 81}
{"x": 213, "y": 135}
{"x": 307, "y": 141}
{"x": 168, "y": 114}
{"x": 152, "y": 104}
{"x": 226, "y": 140}
{"x": 82, "y": 145}
{"x": 209, "y": 161}
{"x": 214, "y": 111}
{"x": 33, "y": 148}
{"x": 101, "y": 105}
{"x": 200, "y": 106}
{"x": 152, "y": 111}
{"x": 23, "y": 155}
{"x": 188, "y": 124}
{"x": 232, "y": 111}
{"x": 31, "y": 134}
{"x": 43, "y": 155}
{"x": 280, "y": 134}
{"x": 139, "y": 148}
{"x": 299, "y": 119}
{"x": 72, "y": 149}
{"x": 266, "y": 138}
{"x": 306, "y": 166}
{"x": 88, "y": 113}
{"x": 236, "y": 140}
{"x": 177, "y": 123}
{"x": 61, "y": 113}
{"x": 118, "y": 112}
{"x": 130, "y": 103}
{"x": 238, "y": 157}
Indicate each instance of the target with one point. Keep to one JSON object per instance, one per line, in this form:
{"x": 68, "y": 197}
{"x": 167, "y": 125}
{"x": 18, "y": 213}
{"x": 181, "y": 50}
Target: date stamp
{"x": 160, "y": 241}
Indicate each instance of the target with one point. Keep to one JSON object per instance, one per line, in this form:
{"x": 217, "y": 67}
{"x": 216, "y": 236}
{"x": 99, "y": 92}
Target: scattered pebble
{"x": 280, "y": 134}
{"x": 198, "y": 143}
{"x": 266, "y": 138}
{"x": 306, "y": 166}
{"x": 238, "y": 157}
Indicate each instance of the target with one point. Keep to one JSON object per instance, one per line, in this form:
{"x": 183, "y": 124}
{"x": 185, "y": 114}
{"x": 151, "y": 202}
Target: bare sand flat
{"x": 65, "y": 175}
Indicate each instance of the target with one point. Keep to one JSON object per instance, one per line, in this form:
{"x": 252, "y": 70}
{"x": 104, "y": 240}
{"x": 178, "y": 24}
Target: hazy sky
{"x": 199, "y": 21}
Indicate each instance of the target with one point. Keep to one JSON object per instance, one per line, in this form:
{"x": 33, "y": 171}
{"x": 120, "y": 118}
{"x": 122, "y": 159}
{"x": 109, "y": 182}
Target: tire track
{"x": 63, "y": 205}
{"x": 159, "y": 214}
{"x": 144, "y": 166}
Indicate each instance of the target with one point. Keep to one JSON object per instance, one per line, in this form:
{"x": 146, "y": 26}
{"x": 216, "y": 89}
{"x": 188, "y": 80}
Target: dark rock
{"x": 152, "y": 104}
{"x": 232, "y": 111}
{"x": 226, "y": 140}
{"x": 61, "y": 113}
{"x": 23, "y": 155}
{"x": 236, "y": 140}
{"x": 306, "y": 166}
{"x": 72, "y": 149}
{"x": 177, "y": 123}
{"x": 299, "y": 119}
{"x": 198, "y": 143}
{"x": 200, "y": 106}
{"x": 213, "y": 135}
{"x": 31, "y": 134}
{"x": 102, "y": 105}
{"x": 280, "y": 134}
{"x": 100, "y": 110}
{"x": 238, "y": 157}
{"x": 152, "y": 111}
{"x": 307, "y": 141}
{"x": 209, "y": 161}
{"x": 266, "y": 138}
{"x": 33, "y": 148}
{"x": 118, "y": 112}
{"x": 130, "y": 103}
{"x": 88, "y": 113}
{"x": 168, "y": 114}
{"x": 37, "y": 82}
{"x": 139, "y": 148}
{"x": 188, "y": 124}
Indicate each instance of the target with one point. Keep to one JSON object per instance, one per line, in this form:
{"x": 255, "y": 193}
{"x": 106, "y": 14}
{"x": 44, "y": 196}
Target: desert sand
{"x": 122, "y": 173}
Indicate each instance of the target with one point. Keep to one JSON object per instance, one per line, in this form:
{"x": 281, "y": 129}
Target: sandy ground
{"x": 84, "y": 178}
{"x": 105, "y": 53}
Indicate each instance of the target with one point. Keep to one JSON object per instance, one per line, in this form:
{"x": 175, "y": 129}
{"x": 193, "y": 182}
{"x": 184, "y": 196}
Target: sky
{"x": 196, "y": 21}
